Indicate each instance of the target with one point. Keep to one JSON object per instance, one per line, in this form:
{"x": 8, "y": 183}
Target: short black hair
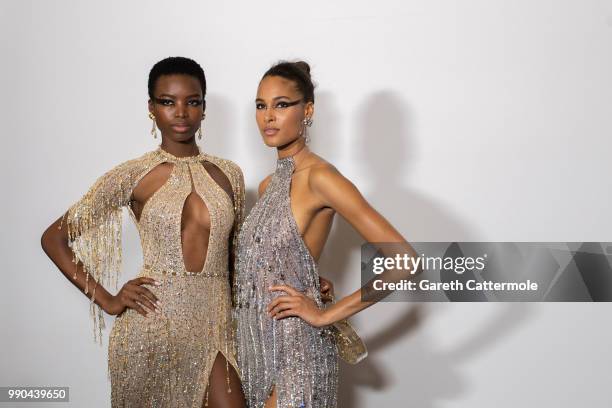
{"x": 173, "y": 66}
{"x": 298, "y": 72}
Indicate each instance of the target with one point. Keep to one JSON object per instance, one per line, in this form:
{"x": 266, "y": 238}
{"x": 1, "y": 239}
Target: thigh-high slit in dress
{"x": 164, "y": 360}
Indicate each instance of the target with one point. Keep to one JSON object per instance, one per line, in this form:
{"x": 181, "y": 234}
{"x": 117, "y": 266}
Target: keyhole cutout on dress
{"x": 195, "y": 216}
{"x": 195, "y": 230}
{"x": 149, "y": 185}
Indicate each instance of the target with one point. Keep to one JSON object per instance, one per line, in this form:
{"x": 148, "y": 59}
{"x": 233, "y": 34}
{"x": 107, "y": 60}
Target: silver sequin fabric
{"x": 300, "y": 361}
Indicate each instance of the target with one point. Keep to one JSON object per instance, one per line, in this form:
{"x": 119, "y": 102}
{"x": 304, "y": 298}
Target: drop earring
{"x": 200, "y": 129}
{"x": 307, "y": 122}
{"x": 154, "y": 127}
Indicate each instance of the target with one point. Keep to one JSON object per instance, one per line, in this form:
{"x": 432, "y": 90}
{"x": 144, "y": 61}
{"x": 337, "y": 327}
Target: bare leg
{"x": 217, "y": 395}
{"x": 271, "y": 401}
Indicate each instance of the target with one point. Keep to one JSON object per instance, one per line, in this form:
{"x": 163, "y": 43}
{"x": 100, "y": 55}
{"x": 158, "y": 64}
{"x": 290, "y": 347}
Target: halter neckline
{"x": 289, "y": 159}
{"x": 175, "y": 159}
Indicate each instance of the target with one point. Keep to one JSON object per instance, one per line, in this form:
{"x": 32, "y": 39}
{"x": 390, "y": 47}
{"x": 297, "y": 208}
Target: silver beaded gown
{"x": 300, "y": 361}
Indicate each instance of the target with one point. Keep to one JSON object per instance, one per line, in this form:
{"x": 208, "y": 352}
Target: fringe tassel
{"x": 94, "y": 235}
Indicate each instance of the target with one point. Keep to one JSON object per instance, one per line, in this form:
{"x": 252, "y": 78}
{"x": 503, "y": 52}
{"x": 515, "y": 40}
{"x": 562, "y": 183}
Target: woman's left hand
{"x": 296, "y": 304}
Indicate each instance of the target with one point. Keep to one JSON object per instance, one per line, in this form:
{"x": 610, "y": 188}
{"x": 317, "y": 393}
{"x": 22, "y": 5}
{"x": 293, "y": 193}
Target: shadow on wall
{"x": 385, "y": 151}
{"x": 387, "y": 148}
{"x": 431, "y": 374}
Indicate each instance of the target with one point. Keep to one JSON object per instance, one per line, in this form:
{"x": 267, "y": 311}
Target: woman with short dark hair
{"x": 172, "y": 343}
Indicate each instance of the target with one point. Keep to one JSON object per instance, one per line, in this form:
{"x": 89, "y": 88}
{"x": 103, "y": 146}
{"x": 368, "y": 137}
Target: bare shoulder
{"x": 323, "y": 174}
{"x": 328, "y": 184}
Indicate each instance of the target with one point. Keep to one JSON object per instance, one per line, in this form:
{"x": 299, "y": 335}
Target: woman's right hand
{"x": 327, "y": 290}
{"x": 135, "y": 296}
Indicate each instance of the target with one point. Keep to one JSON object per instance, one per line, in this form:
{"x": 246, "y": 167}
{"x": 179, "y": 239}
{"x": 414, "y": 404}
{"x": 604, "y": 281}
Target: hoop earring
{"x": 154, "y": 127}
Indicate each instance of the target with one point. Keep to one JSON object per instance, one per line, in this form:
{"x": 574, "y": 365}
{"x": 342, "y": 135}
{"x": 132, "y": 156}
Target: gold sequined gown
{"x": 163, "y": 360}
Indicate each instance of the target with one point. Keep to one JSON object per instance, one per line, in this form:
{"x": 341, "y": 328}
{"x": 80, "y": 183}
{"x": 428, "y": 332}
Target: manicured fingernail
{"x": 157, "y": 283}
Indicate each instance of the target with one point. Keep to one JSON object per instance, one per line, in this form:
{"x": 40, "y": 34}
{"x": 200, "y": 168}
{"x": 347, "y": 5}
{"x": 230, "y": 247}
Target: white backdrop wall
{"x": 473, "y": 120}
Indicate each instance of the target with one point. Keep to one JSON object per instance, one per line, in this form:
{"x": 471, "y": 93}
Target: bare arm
{"x": 335, "y": 191}
{"x": 54, "y": 242}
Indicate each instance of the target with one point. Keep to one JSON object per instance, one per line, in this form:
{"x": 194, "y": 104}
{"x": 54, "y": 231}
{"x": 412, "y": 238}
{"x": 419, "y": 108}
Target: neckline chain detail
{"x": 188, "y": 159}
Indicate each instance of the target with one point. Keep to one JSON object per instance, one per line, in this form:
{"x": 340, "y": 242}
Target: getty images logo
{"x": 406, "y": 262}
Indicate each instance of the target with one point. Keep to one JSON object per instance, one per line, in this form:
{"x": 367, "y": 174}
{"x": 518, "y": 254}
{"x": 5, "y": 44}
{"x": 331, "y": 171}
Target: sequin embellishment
{"x": 299, "y": 360}
{"x": 163, "y": 360}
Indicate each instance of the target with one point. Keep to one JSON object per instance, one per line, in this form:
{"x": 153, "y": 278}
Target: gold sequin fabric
{"x": 299, "y": 360}
{"x": 163, "y": 360}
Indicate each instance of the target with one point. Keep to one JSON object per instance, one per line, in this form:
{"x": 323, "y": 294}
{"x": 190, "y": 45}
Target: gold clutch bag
{"x": 350, "y": 346}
